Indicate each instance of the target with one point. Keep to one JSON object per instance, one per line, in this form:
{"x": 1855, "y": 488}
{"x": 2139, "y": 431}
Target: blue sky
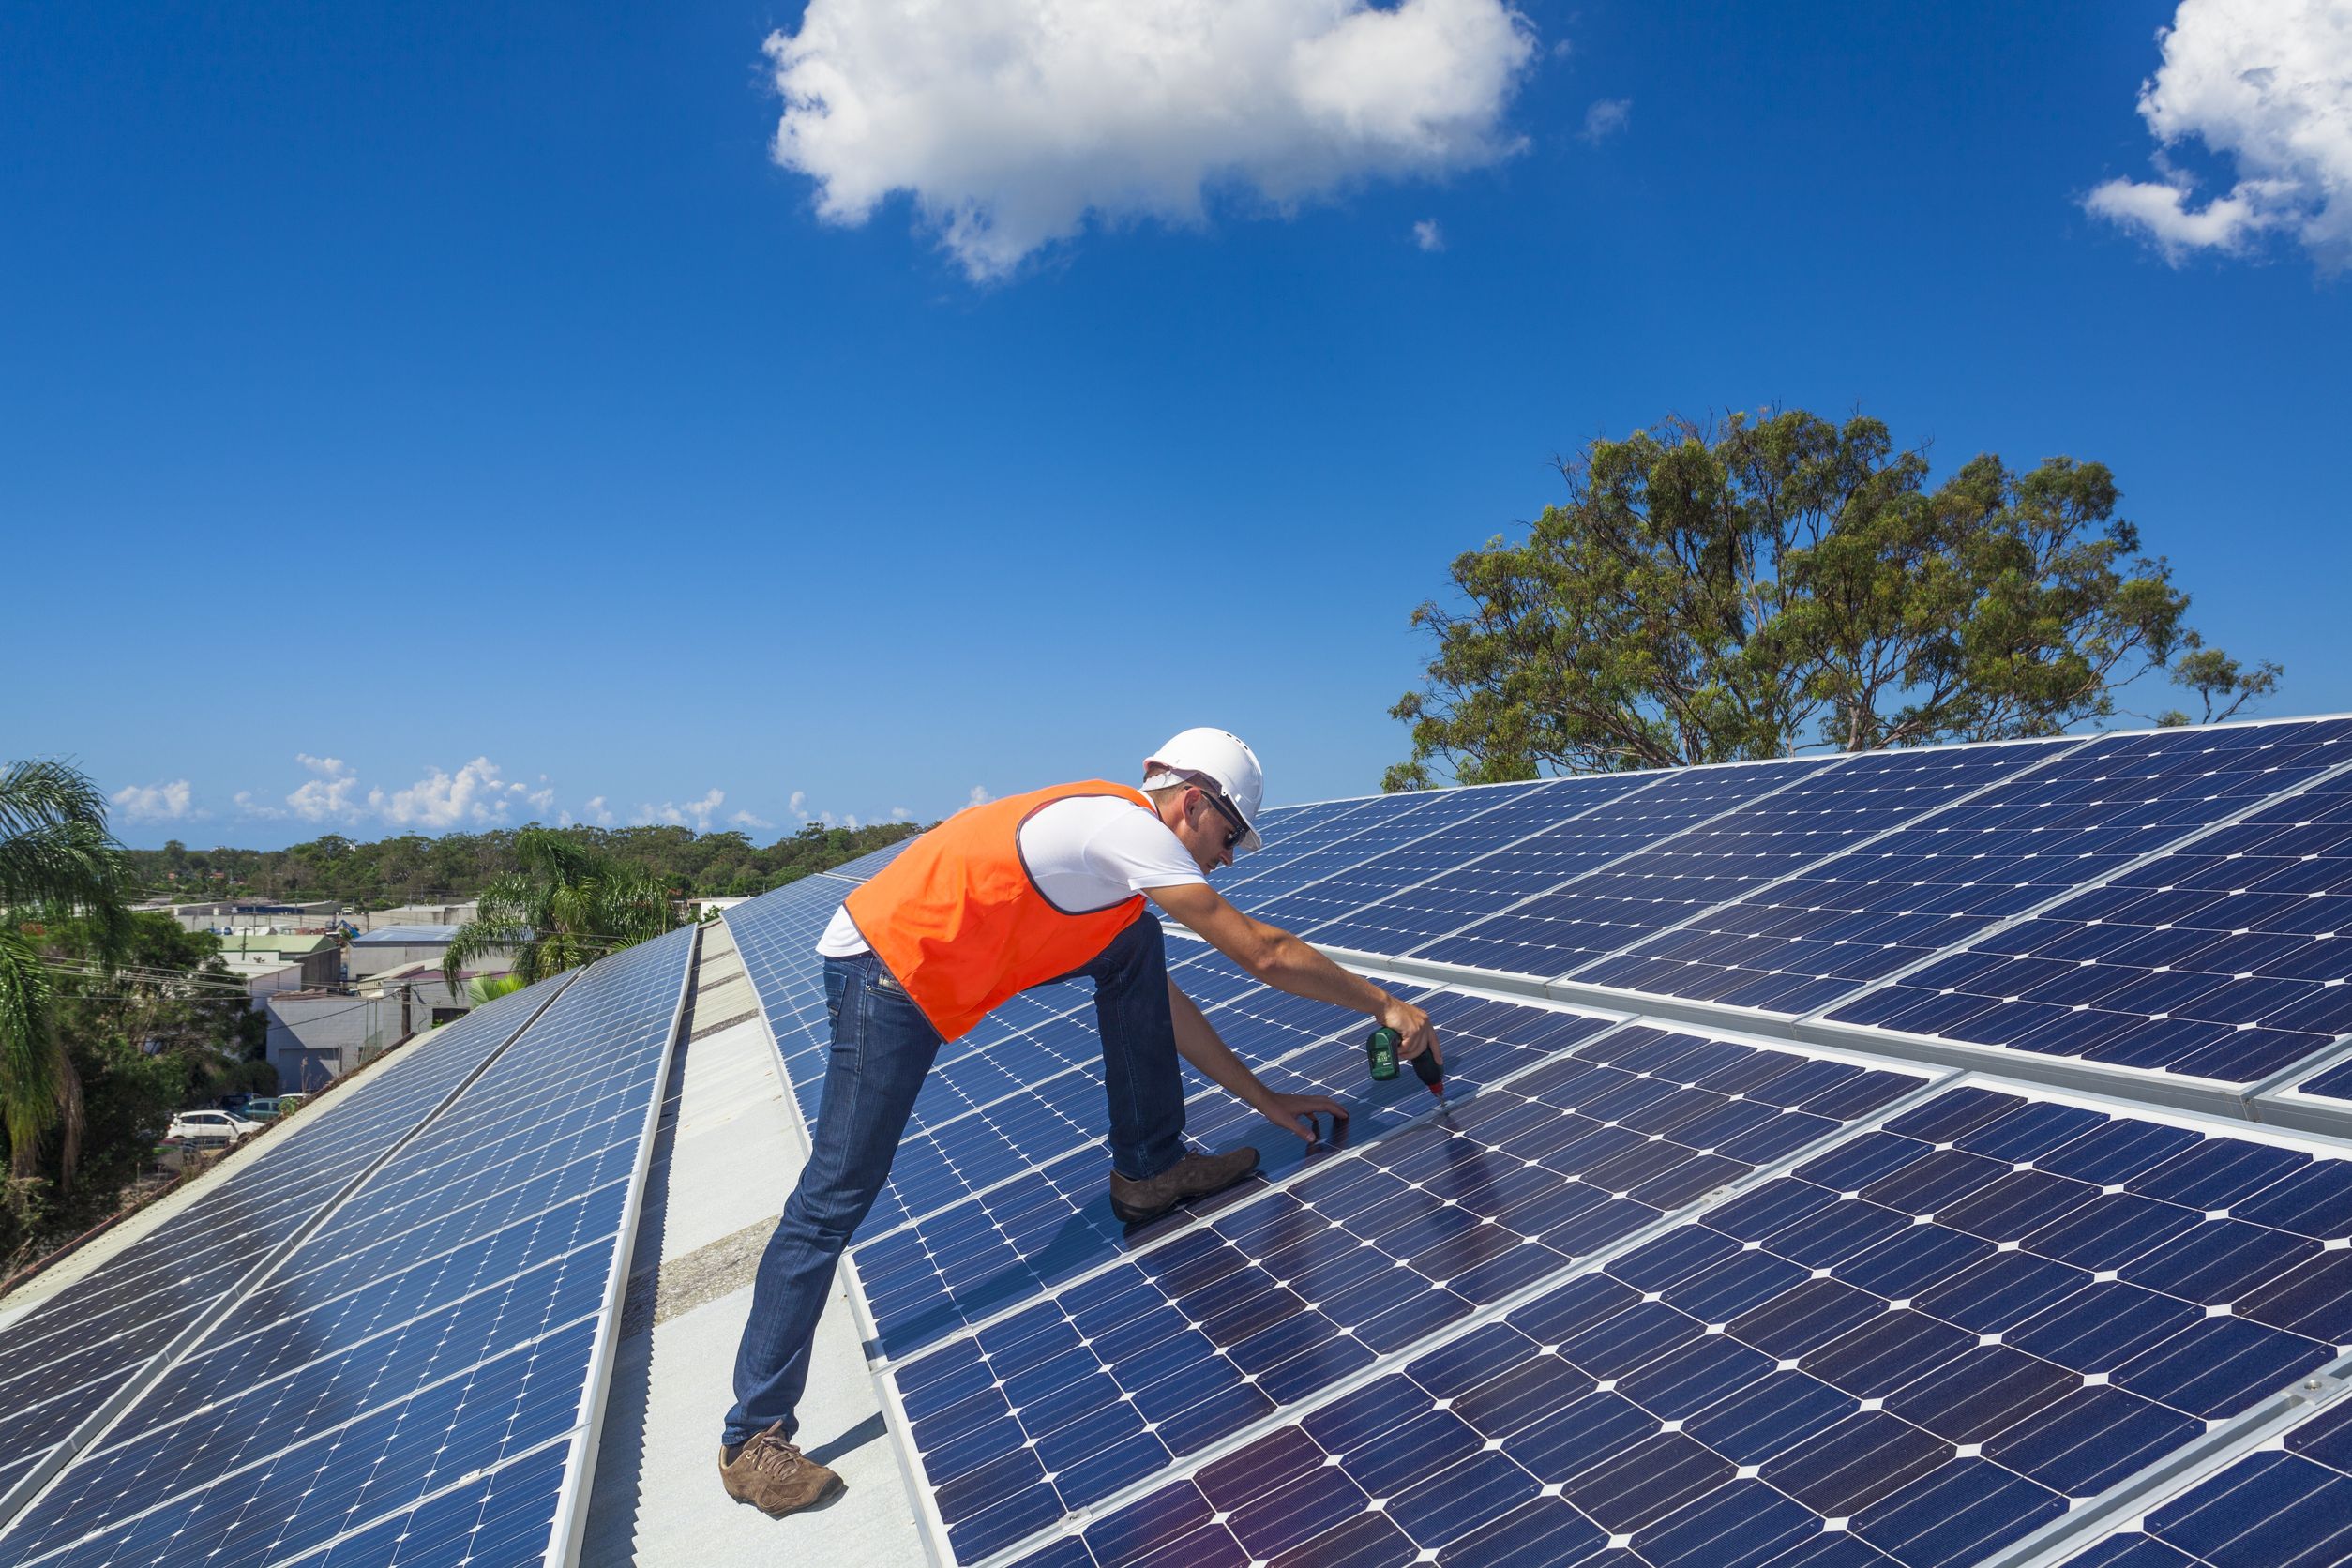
{"x": 412, "y": 385}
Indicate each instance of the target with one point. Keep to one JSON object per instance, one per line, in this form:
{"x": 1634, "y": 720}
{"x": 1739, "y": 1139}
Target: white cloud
{"x": 154, "y": 802}
{"x": 900, "y": 814}
{"x": 980, "y": 796}
{"x": 1606, "y": 118}
{"x": 599, "y": 812}
{"x": 744, "y": 818}
{"x": 249, "y": 805}
{"x": 1009, "y": 121}
{"x": 332, "y": 795}
{"x": 2267, "y": 84}
{"x": 475, "y": 796}
{"x": 1428, "y": 236}
{"x": 697, "y": 813}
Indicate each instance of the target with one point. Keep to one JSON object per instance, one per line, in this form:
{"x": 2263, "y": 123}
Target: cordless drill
{"x": 1380, "y": 1049}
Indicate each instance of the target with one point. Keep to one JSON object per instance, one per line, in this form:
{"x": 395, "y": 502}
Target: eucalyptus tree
{"x": 1752, "y": 587}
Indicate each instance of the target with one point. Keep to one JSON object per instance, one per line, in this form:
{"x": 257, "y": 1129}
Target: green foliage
{"x": 412, "y": 868}
{"x": 55, "y": 856}
{"x": 1714, "y": 593}
{"x": 489, "y": 988}
{"x": 563, "y": 907}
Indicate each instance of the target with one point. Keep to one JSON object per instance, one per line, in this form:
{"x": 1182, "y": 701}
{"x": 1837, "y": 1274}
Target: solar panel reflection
{"x": 1920, "y": 1346}
{"x": 1428, "y": 919}
{"x": 441, "y": 1325}
{"x": 2226, "y": 958}
{"x": 61, "y": 1364}
{"x": 1113, "y": 1378}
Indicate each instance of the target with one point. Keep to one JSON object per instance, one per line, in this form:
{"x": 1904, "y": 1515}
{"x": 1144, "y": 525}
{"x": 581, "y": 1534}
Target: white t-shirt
{"x": 1086, "y": 852}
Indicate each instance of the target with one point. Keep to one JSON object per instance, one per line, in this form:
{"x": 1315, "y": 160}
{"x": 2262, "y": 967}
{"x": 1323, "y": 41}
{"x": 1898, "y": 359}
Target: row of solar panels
{"x": 1959, "y": 1351}
{"x": 385, "y": 1335}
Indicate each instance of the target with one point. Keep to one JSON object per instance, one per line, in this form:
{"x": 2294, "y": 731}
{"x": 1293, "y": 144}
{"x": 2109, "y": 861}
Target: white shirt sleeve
{"x": 1134, "y": 850}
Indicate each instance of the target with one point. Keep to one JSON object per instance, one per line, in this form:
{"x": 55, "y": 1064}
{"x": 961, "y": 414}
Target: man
{"x": 1016, "y": 892}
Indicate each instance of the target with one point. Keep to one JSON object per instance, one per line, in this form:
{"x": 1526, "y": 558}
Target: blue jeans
{"x": 882, "y": 1046}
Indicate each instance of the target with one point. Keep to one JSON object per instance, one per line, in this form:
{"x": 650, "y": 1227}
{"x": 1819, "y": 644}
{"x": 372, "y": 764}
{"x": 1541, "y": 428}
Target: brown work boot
{"x": 773, "y": 1476}
{"x": 1193, "y": 1176}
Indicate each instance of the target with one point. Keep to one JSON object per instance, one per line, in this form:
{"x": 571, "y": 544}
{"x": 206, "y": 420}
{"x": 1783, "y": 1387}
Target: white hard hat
{"x": 1226, "y": 761}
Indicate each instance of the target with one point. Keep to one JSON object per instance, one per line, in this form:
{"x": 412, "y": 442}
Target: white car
{"x": 211, "y": 1127}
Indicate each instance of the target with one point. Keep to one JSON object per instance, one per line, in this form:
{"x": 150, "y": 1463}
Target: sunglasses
{"x": 1240, "y": 829}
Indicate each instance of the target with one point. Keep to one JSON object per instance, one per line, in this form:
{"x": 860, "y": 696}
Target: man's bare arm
{"x": 1278, "y": 959}
{"x": 1199, "y": 1043}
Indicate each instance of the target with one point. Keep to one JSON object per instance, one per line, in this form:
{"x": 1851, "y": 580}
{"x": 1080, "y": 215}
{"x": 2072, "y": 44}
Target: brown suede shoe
{"x": 1193, "y": 1176}
{"x": 773, "y": 1476}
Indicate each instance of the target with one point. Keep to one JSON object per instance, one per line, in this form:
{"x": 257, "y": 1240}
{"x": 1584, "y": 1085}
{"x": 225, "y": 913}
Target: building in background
{"x": 316, "y": 1036}
{"x": 271, "y": 962}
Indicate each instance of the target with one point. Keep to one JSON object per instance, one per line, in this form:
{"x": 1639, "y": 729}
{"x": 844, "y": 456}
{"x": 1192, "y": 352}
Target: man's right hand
{"x": 1412, "y": 1025}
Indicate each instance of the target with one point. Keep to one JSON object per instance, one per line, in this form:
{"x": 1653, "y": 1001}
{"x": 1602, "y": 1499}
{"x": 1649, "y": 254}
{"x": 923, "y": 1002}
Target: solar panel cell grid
{"x": 67, "y": 1356}
{"x": 1802, "y": 944}
{"x": 2227, "y": 959}
{"x": 2288, "y": 1506}
{"x": 1717, "y": 860}
{"x": 1522, "y": 811}
{"x": 1372, "y": 830}
{"x": 363, "y": 1377}
{"x": 1632, "y": 812}
{"x": 1920, "y": 1346}
{"x": 1110, "y": 1380}
{"x": 976, "y": 1256}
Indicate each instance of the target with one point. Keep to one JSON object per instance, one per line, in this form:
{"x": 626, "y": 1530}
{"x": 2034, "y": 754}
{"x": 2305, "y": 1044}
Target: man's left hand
{"x": 1296, "y": 1113}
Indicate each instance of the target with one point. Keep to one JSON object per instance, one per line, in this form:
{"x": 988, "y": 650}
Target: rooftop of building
{"x": 414, "y": 936}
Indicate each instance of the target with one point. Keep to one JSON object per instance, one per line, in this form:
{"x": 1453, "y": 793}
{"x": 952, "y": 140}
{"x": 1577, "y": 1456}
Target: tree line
{"x": 412, "y": 868}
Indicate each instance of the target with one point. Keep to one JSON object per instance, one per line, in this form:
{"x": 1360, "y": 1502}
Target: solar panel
{"x": 1182, "y": 1342}
{"x": 2223, "y": 958}
{"x": 450, "y": 1321}
{"x": 1459, "y": 916}
{"x": 66, "y": 1363}
{"x": 1920, "y": 1346}
{"x": 1568, "y": 929}
{"x": 1654, "y": 1294}
{"x": 1342, "y": 844}
{"x": 2288, "y": 1506}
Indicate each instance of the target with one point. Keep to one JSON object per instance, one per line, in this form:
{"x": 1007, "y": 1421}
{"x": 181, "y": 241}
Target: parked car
{"x": 211, "y": 1127}
{"x": 289, "y": 1103}
{"x": 259, "y": 1108}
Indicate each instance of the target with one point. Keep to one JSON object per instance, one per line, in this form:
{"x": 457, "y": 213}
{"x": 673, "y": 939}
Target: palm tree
{"x": 55, "y": 855}
{"x": 564, "y": 906}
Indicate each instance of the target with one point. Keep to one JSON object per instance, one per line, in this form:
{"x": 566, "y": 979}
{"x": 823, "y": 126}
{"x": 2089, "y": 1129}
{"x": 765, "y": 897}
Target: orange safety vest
{"x": 961, "y": 924}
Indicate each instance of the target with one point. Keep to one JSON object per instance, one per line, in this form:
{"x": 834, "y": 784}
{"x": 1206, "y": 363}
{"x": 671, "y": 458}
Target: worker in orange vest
{"x": 1001, "y": 896}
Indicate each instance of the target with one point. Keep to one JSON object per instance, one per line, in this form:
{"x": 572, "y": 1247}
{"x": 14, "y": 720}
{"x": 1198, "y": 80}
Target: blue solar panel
{"x": 67, "y": 1357}
{"x": 1503, "y": 816}
{"x": 1920, "y": 1346}
{"x": 2226, "y": 958}
{"x": 1782, "y": 841}
{"x": 1294, "y": 833}
{"x": 2288, "y": 1506}
{"x": 1387, "y": 822}
{"x": 1090, "y": 1391}
{"x": 932, "y": 1274}
{"x": 1802, "y": 944}
{"x": 1400, "y": 900}
{"x": 2333, "y": 1083}
{"x": 1493, "y": 896}
{"x": 1815, "y": 815}
{"x": 445, "y": 1323}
